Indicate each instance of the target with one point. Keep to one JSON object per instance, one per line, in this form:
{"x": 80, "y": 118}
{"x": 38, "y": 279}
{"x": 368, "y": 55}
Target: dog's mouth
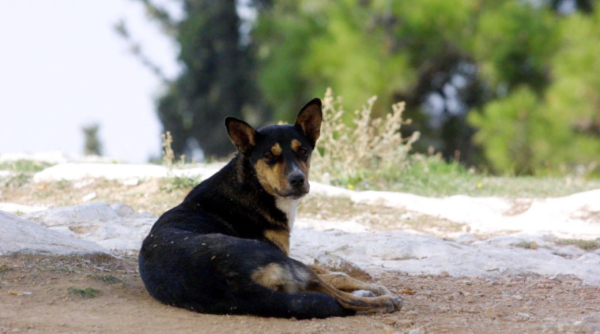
{"x": 294, "y": 193}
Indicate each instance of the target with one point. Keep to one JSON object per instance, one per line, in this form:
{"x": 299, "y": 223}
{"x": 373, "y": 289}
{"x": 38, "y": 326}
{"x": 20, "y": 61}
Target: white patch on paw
{"x": 363, "y": 293}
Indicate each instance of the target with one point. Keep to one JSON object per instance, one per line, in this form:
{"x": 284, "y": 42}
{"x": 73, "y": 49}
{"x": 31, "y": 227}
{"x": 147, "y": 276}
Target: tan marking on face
{"x": 303, "y": 165}
{"x": 276, "y": 149}
{"x": 296, "y": 144}
{"x": 271, "y": 177}
{"x": 280, "y": 238}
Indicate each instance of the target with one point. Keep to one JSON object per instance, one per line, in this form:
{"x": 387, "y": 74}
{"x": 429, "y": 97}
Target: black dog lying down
{"x": 224, "y": 250}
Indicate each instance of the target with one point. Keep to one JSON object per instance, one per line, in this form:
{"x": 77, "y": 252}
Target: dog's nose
{"x": 296, "y": 179}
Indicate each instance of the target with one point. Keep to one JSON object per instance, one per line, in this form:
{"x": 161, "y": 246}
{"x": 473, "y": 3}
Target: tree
{"x": 547, "y": 121}
{"x": 215, "y": 80}
{"x": 462, "y": 66}
{"x": 93, "y": 146}
{"x": 466, "y": 69}
{"x": 413, "y": 51}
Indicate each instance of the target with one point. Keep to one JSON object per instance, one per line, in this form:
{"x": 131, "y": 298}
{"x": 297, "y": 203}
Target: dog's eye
{"x": 302, "y": 152}
{"x": 270, "y": 157}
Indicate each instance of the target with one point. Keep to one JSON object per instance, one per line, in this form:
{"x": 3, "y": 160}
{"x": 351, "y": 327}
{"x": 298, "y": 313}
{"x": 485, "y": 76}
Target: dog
{"x": 224, "y": 249}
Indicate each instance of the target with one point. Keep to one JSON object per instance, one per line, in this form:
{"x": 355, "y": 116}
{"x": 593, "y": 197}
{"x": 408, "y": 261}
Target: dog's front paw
{"x": 390, "y": 304}
{"x": 398, "y": 303}
{"x": 393, "y": 304}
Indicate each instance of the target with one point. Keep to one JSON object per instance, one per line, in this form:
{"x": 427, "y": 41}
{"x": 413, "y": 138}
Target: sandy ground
{"x": 36, "y": 296}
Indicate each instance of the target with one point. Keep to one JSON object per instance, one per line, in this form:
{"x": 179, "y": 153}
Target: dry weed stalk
{"x": 168, "y": 155}
{"x": 372, "y": 147}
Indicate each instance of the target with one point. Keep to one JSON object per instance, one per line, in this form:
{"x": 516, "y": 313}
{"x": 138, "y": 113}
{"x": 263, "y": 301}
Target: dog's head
{"x": 280, "y": 154}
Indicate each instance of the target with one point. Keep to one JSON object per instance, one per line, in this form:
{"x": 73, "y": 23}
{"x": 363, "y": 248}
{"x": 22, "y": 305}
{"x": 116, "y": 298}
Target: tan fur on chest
{"x": 281, "y": 238}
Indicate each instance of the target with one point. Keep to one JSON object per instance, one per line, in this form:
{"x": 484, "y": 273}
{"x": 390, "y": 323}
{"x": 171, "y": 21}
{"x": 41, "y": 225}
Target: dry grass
{"x": 588, "y": 245}
{"x": 167, "y": 151}
{"x": 153, "y": 195}
{"x": 373, "y": 216}
{"x": 371, "y": 147}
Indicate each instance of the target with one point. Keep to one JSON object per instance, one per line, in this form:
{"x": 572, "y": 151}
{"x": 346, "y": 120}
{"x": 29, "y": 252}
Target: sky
{"x": 63, "y": 66}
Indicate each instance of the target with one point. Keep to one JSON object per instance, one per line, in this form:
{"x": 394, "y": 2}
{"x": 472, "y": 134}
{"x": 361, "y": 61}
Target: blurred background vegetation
{"x": 508, "y": 86}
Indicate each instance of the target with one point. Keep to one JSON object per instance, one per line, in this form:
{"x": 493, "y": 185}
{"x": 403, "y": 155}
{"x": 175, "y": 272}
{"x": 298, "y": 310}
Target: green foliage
{"x": 588, "y": 245}
{"x": 514, "y": 133}
{"x": 522, "y": 75}
{"x": 326, "y": 45}
{"x": 431, "y": 28}
{"x": 85, "y": 293}
{"x": 179, "y": 182}
{"x": 15, "y": 181}
{"x": 24, "y": 166}
{"x": 527, "y": 245}
{"x": 106, "y": 279}
{"x": 514, "y": 43}
{"x": 283, "y": 32}
{"x": 4, "y": 269}
{"x": 432, "y": 176}
{"x": 573, "y": 98}
{"x": 557, "y": 133}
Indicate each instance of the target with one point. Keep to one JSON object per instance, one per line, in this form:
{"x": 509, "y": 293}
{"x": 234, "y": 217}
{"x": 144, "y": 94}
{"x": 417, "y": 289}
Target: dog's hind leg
{"x": 294, "y": 277}
{"x": 381, "y": 304}
{"x": 345, "y": 282}
{"x": 342, "y": 281}
{"x": 287, "y": 283}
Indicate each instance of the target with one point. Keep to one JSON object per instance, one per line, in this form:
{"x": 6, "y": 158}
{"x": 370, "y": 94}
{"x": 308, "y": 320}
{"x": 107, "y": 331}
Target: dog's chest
{"x": 290, "y": 208}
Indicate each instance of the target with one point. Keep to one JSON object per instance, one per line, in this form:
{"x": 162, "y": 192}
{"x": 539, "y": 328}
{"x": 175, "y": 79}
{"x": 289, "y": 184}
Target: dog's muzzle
{"x": 297, "y": 186}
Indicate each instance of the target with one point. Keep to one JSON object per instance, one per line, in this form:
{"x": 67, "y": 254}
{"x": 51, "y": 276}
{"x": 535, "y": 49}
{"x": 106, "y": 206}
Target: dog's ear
{"x": 242, "y": 135}
{"x": 309, "y": 120}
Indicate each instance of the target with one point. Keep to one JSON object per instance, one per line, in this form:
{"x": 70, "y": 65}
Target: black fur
{"x": 201, "y": 254}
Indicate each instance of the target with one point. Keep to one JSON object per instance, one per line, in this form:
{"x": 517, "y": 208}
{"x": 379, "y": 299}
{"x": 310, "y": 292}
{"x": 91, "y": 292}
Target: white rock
{"x": 465, "y": 238}
{"x": 53, "y": 157}
{"x": 327, "y": 225}
{"x": 589, "y": 258}
{"x": 18, "y": 235}
{"x": 422, "y": 254}
{"x": 513, "y": 240}
{"x": 117, "y": 227}
{"x": 134, "y": 181}
{"x": 82, "y": 183}
{"x": 18, "y": 208}
{"x": 564, "y": 216}
{"x": 111, "y": 171}
{"x": 569, "y": 251}
{"x": 79, "y": 171}
{"x": 89, "y": 197}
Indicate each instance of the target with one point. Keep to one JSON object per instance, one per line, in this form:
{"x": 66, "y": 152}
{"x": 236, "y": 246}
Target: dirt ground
{"x": 40, "y": 294}
{"x": 98, "y": 294}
